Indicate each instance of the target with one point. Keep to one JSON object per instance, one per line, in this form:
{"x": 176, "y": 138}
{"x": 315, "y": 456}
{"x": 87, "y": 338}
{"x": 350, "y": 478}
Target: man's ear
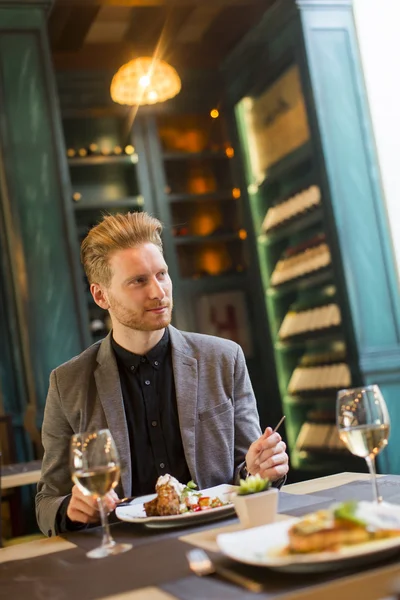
{"x": 99, "y": 295}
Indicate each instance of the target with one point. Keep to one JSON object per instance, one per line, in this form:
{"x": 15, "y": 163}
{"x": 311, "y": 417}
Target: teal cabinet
{"x": 347, "y": 146}
{"x": 43, "y": 312}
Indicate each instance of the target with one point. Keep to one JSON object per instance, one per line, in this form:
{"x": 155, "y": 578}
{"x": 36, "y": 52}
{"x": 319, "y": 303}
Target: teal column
{"x": 42, "y": 314}
{"x": 357, "y": 204}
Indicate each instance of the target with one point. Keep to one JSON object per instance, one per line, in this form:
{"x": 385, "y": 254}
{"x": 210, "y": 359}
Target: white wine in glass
{"x": 364, "y": 425}
{"x": 95, "y": 470}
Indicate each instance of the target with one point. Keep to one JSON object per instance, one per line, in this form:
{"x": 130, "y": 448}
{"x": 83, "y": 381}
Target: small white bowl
{"x": 256, "y": 509}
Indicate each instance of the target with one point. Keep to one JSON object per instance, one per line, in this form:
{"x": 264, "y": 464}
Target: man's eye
{"x": 139, "y": 280}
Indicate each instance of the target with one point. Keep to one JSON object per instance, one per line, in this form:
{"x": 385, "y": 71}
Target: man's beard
{"x": 137, "y": 319}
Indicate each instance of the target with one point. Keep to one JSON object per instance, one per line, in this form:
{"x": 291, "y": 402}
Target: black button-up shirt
{"x": 148, "y": 391}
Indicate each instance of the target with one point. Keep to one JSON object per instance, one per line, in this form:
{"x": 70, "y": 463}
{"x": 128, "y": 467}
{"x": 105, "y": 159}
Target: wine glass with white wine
{"x": 364, "y": 425}
{"x": 95, "y": 469}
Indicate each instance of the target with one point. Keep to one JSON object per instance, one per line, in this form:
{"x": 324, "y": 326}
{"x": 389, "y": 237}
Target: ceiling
{"x": 90, "y": 35}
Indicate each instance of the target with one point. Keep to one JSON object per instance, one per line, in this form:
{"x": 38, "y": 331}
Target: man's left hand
{"x": 267, "y": 456}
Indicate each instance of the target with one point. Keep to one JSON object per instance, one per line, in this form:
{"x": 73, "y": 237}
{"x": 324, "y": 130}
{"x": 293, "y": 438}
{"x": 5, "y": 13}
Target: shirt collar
{"x": 155, "y": 356}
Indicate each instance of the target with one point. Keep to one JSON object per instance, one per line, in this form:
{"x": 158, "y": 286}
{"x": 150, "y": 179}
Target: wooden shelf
{"x": 289, "y": 162}
{"x": 321, "y": 395}
{"x": 294, "y": 400}
{"x": 314, "y": 338}
{"x": 130, "y": 201}
{"x": 87, "y": 161}
{"x": 303, "y": 283}
{"x": 211, "y": 196}
{"x": 207, "y": 154}
{"x": 204, "y": 239}
{"x": 296, "y": 224}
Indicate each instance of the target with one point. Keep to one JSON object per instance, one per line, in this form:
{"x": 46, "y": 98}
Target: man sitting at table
{"x": 175, "y": 402}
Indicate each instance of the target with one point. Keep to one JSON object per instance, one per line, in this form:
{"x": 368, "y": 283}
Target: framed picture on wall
{"x": 225, "y": 315}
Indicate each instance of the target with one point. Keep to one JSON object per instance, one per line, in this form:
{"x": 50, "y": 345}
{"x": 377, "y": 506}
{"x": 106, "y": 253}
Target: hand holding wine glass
{"x": 95, "y": 470}
{"x": 364, "y": 425}
{"x": 85, "y": 509}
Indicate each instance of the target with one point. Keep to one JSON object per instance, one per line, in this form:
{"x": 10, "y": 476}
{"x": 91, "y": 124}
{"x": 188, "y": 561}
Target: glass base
{"x": 108, "y": 550}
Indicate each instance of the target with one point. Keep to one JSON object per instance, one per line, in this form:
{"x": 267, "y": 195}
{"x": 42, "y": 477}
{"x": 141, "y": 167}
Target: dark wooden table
{"x": 20, "y": 474}
{"x": 156, "y": 568}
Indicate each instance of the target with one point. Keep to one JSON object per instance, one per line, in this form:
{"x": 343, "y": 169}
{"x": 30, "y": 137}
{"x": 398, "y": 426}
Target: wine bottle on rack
{"x": 71, "y": 152}
{"x": 106, "y": 150}
{"x": 82, "y": 152}
{"x": 93, "y": 149}
{"x": 117, "y": 150}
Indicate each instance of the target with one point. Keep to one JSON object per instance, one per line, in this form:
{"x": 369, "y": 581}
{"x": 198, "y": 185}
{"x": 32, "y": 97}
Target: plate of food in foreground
{"x": 346, "y": 535}
{"x": 175, "y": 504}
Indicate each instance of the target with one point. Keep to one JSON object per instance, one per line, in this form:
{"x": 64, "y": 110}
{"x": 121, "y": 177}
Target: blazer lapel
{"x": 110, "y": 394}
{"x": 185, "y": 376}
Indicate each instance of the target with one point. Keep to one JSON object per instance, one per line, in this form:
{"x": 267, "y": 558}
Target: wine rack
{"x": 200, "y": 205}
{"x": 204, "y": 207}
{"x": 303, "y": 306}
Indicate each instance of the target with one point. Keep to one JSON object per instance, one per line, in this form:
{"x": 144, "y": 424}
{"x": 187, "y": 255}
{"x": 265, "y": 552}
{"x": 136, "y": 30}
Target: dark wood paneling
{"x": 76, "y": 27}
{"x": 154, "y": 27}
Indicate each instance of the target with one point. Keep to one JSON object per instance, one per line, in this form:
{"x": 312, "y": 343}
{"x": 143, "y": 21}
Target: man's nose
{"x": 157, "y": 290}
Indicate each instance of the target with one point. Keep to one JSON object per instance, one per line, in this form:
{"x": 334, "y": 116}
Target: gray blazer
{"x": 216, "y": 406}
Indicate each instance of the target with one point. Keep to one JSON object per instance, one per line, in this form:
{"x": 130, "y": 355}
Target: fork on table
{"x": 201, "y": 564}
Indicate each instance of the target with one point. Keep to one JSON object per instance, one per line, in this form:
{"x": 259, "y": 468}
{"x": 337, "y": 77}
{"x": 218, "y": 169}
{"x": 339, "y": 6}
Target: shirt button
{"x": 147, "y": 382}
{"x": 132, "y": 368}
{"x": 154, "y": 423}
{"x": 143, "y": 359}
{"x": 162, "y": 465}
{"x": 156, "y": 363}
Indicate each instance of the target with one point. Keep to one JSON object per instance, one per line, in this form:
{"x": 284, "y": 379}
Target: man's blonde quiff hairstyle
{"x": 113, "y": 233}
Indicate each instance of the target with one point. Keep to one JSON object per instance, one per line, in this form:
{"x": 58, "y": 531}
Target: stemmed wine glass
{"x": 364, "y": 425}
{"x": 95, "y": 469}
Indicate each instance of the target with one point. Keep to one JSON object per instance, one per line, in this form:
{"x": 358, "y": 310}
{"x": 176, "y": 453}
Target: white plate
{"x": 260, "y": 546}
{"x": 135, "y": 513}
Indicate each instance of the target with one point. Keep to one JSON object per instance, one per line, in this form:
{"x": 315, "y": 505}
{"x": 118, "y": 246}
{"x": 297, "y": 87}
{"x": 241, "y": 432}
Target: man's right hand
{"x": 85, "y": 509}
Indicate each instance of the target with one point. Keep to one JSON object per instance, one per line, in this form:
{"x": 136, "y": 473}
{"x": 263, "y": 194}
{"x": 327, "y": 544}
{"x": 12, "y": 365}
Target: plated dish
{"x": 194, "y": 506}
{"x": 316, "y": 543}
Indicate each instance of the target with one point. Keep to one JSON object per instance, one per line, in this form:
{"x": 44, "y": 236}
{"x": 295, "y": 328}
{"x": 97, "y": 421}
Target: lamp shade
{"x": 144, "y": 81}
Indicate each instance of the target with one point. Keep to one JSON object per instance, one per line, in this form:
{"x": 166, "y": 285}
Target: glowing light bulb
{"x": 144, "y": 81}
{"x": 214, "y": 114}
{"x": 153, "y": 96}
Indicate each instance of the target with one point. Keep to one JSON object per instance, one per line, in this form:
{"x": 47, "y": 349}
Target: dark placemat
{"x": 297, "y": 505}
{"x": 137, "y": 534}
{"x": 389, "y": 489}
{"x": 275, "y": 584}
{"x": 70, "y": 574}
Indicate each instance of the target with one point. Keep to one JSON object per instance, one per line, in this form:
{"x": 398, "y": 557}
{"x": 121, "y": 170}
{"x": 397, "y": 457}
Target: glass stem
{"x": 107, "y": 538}
{"x": 371, "y": 466}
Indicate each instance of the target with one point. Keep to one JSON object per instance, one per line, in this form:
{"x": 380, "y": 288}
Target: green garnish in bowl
{"x": 253, "y": 484}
